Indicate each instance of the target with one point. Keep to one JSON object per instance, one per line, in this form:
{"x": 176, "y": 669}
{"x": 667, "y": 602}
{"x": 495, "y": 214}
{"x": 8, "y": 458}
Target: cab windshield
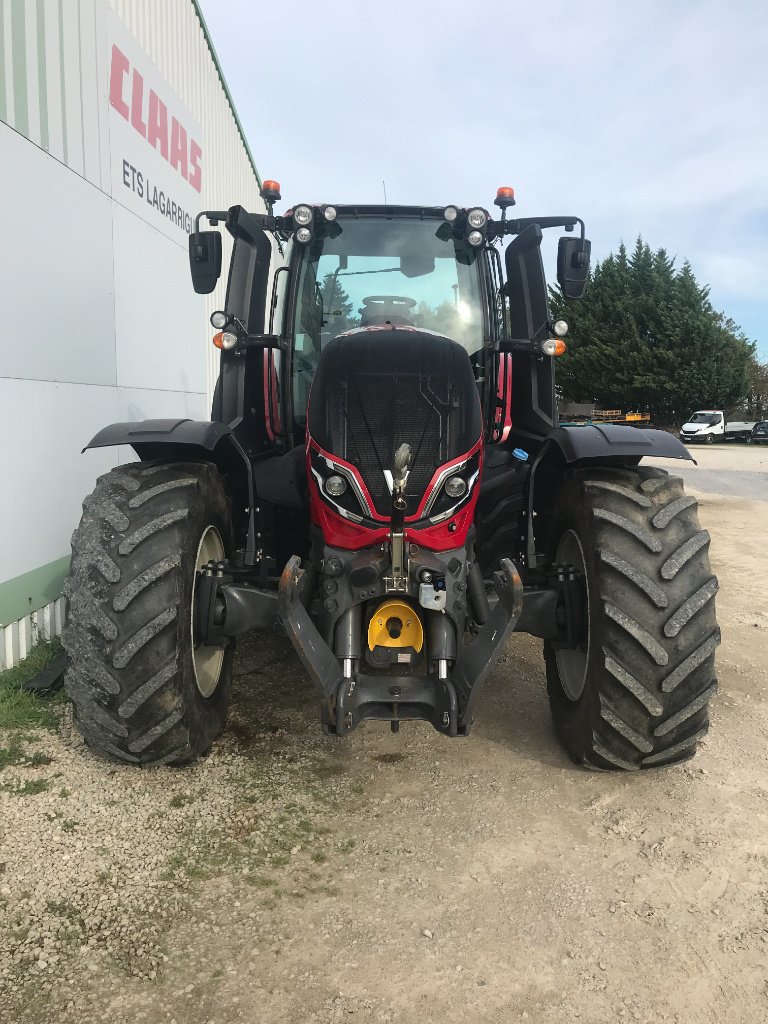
{"x": 374, "y": 270}
{"x": 708, "y": 418}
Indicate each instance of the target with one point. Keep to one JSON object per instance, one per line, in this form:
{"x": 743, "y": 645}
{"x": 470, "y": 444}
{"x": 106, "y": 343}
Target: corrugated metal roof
{"x": 225, "y": 87}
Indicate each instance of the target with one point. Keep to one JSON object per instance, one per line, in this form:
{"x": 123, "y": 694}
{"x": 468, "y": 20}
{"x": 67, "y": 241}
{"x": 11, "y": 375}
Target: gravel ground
{"x": 737, "y": 470}
{"x": 291, "y": 877}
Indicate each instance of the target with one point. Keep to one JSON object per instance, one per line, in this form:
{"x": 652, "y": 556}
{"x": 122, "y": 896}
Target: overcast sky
{"x": 645, "y": 117}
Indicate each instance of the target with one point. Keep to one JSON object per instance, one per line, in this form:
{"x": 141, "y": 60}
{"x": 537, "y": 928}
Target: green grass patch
{"x": 11, "y": 755}
{"x": 30, "y": 788}
{"x": 20, "y": 709}
{"x": 14, "y": 755}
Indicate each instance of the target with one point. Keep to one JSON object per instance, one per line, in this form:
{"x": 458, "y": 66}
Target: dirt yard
{"x": 291, "y": 878}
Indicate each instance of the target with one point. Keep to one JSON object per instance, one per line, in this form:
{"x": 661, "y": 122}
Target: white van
{"x": 709, "y": 425}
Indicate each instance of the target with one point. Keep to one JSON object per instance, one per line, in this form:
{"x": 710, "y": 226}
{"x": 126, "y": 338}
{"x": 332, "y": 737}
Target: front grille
{"x": 376, "y": 390}
{"x": 374, "y": 413}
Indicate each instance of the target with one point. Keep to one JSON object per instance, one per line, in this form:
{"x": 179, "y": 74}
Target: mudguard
{"x": 200, "y": 433}
{"x": 600, "y": 444}
{"x": 615, "y": 441}
{"x": 194, "y": 440}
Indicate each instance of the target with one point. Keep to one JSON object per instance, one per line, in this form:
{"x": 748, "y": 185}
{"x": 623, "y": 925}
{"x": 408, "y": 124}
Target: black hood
{"x": 375, "y": 389}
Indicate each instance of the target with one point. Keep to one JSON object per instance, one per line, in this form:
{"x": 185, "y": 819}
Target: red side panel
{"x": 342, "y": 533}
{"x": 503, "y": 421}
{"x": 339, "y": 532}
{"x": 271, "y": 402}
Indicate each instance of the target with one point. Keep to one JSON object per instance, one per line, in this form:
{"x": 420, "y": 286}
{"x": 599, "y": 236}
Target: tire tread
{"x": 129, "y": 648}
{"x": 651, "y": 676}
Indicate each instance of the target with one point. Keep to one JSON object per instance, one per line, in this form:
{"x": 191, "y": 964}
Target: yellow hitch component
{"x": 395, "y": 624}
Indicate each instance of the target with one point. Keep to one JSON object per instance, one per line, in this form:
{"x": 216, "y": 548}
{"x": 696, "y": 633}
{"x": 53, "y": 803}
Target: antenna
{"x": 384, "y": 186}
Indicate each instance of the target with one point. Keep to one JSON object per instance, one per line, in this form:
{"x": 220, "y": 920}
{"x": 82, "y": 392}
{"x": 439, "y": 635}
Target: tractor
{"x": 384, "y": 478}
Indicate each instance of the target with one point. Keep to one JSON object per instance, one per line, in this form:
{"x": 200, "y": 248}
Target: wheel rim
{"x": 207, "y": 660}
{"x": 572, "y": 664}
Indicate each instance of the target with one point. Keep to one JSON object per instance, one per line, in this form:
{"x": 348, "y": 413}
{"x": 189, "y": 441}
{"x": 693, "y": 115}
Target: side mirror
{"x": 205, "y": 260}
{"x": 573, "y": 266}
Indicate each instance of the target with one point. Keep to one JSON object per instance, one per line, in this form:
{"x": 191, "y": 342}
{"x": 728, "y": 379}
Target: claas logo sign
{"x": 148, "y": 114}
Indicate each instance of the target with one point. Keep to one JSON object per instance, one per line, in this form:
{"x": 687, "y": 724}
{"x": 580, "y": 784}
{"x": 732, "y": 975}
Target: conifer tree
{"x": 646, "y": 337}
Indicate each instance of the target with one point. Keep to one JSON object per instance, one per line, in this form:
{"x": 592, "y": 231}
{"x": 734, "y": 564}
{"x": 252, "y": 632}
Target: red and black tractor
{"x": 383, "y": 477}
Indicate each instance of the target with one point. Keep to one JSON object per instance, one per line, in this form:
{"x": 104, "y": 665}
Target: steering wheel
{"x": 394, "y": 300}
{"x": 382, "y": 308}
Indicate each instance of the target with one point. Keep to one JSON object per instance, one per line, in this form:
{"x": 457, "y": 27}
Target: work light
{"x": 219, "y": 319}
{"x": 475, "y": 238}
{"x": 303, "y": 235}
{"x": 303, "y": 215}
{"x": 329, "y": 212}
{"x": 477, "y": 218}
{"x": 450, "y": 213}
{"x": 559, "y": 327}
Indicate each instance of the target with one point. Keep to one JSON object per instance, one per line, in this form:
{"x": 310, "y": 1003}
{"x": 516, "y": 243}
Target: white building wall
{"x": 100, "y": 322}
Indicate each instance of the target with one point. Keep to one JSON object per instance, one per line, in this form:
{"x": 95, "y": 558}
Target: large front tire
{"x": 636, "y": 694}
{"x": 142, "y": 691}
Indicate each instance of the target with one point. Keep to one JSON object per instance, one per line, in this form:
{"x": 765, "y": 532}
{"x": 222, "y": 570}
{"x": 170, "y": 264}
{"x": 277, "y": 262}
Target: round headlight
{"x": 329, "y": 212}
{"x": 219, "y": 320}
{"x": 303, "y": 235}
{"x": 228, "y": 340}
{"x": 455, "y": 487}
{"x": 335, "y": 486}
{"x": 476, "y": 218}
{"x": 303, "y": 215}
{"x": 450, "y": 213}
{"x": 560, "y": 327}
{"x": 552, "y": 347}
{"x": 475, "y": 237}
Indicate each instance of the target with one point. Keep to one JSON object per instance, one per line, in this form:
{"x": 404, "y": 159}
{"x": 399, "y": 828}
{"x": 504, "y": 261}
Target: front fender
{"x": 576, "y": 446}
{"x": 193, "y": 440}
{"x": 140, "y": 435}
{"x": 615, "y": 441}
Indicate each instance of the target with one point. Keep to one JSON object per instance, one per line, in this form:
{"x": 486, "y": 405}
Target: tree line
{"x": 646, "y": 337}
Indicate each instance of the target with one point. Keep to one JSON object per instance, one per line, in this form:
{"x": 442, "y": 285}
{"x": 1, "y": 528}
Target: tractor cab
{"x": 299, "y": 280}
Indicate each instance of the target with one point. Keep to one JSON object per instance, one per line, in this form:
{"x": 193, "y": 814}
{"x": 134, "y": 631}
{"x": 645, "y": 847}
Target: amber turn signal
{"x": 553, "y": 347}
{"x": 217, "y": 339}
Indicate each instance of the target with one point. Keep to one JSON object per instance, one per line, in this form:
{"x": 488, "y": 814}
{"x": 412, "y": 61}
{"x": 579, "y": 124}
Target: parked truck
{"x": 710, "y": 425}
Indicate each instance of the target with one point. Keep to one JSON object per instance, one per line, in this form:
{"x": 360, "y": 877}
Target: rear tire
{"x": 141, "y": 691}
{"x": 638, "y": 695}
